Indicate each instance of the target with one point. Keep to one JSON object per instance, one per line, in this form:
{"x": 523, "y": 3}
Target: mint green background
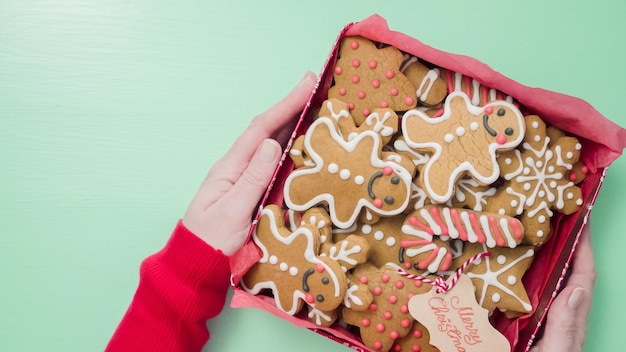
{"x": 111, "y": 113}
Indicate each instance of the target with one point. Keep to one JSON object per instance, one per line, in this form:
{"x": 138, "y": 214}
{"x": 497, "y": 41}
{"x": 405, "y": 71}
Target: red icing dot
{"x": 407, "y": 265}
{"x": 585, "y": 170}
{"x": 387, "y": 170}
{"x": 356, "y": 79}
{"x": 354, "y": 45}
{"x": 378, "y": 203}
{"x": 394, "y": 91}
{"x": 320, "y": 268}
{"x": 351, "y": 106}
{"x": 416, "y": 348}
{"x": 388, "y": 315}
{"x": 365, "y": 322}
{"x": 363, "y": 280}
{"x": 384, "y": 278}
{"x": 488, "y": 110}
{"x": 572, "y": 176}
{"x": 417, "y": 334}
{"x": 372, "y": 64}
{"x": 404, "y": 309}
{"x": 376, "y": 83}
{"x": 405, "y": 323}
{"x": 500, "y": 139}
{"x": 417, "y": 283}
{"x": 400, "y": 283}
{"x": 361, "y": 94}
{"x": 394, "y": 334}
{"x": 309, "y": 298}
{"x": 377, "y": 291}
{"x": 397, "y": 348}
{"x": 409, "y": 295}
{"x": 384, "y": 104}
{"x": 377, "y": 345}
{"x": 389, "y": 74}
{"x": 338, "y": 70}
{"x": 408, "y": 101}
{"x": 393, "y": 299}
{"x": 372, "y": 307}
{"x": 380, "y": 327}
{"x": 356, "y": 63}
{"x": 342, "y": 91}
{"x": 366, "y": 112}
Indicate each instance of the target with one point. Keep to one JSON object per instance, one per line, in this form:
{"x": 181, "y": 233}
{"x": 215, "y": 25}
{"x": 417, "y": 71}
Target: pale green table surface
{"x": 111, "y": 113}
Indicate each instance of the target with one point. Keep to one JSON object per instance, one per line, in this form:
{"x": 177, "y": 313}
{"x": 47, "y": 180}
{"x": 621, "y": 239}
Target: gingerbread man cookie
{"x": 368, "y": 78}
{"x": 348, "y": 177}
{"x": 463, "y": 141}
{"x": 537, "y": 180}
{"x": 291, "y": 267}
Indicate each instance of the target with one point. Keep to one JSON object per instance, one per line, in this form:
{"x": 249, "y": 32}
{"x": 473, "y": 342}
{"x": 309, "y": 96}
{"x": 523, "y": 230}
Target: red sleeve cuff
{"x": 195, "y": 260}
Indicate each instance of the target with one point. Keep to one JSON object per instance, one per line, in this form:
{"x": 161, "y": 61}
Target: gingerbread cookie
{"x": 418, "y": 340}
{"x": 387, "y": 318}
{"x": 479, "y": 94}
{"x": 537, "y": 180}
{"x": 382, "y": 121}
{"x": 385, "y": 238}
{"x": 498, "y": 278}
{"x": 368, "y": 78}
{"x": 431, "y": 88}
{"x": 472, "y": 195}
{"x": 348, "y": 177}
{"x": 492, "y": 229}
{"x": 291, "y": 267}
{"x": 463, "y": 141}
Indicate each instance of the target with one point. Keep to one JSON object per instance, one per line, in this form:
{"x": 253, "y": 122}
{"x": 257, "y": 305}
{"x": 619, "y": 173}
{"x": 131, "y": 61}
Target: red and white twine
{"x": 440, "y": 282}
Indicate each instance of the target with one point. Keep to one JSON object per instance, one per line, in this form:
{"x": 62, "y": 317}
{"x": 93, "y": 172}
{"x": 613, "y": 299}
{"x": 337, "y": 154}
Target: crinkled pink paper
{"x": 602, "y": 140}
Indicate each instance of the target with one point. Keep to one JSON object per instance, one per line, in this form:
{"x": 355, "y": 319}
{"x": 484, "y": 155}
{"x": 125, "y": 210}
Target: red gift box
{"x": 602, "y": 140}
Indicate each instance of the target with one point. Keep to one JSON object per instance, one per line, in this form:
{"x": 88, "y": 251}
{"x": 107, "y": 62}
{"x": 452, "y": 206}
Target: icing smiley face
{"x": 320, "y": 287}
{"x": 384, "y": 187}
{"x": 499, "y": 121}
{"x": 347, "y": 176}
{"x": 463, "y": 141}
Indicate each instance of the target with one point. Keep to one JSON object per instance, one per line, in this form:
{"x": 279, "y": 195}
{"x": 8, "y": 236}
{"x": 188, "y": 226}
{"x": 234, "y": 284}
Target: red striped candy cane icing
{"x": 493, "y": 230}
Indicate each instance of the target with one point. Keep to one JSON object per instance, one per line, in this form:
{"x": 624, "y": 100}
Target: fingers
{"x": 565, "y": 331}
{"x": 272, "y": 121}
{"x": 566, "y": 325}
{"x": 251, "y": 185}
{"x": 584, "y": 270}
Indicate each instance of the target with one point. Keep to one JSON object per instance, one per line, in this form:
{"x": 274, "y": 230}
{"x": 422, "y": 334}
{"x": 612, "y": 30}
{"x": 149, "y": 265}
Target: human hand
{"x": 220, "y": 212}
{"x": 566, "y": 326}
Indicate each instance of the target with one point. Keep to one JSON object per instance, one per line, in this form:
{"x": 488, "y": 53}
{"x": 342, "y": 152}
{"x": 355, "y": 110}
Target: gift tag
{"x": 455, "y": 321}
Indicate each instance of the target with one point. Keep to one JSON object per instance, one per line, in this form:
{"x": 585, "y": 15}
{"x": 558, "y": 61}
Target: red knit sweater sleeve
{"x": 180, "y": 287}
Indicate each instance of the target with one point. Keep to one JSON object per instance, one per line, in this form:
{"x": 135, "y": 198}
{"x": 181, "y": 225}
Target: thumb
{"x": 253, "y": 181}
{"x": 563, "y": 326}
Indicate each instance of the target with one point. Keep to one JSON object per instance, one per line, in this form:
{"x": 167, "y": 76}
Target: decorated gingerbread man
{"x": 463, "y": 141}
{"x": 292, "y": 268}
{"x": 347, "y": 176}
